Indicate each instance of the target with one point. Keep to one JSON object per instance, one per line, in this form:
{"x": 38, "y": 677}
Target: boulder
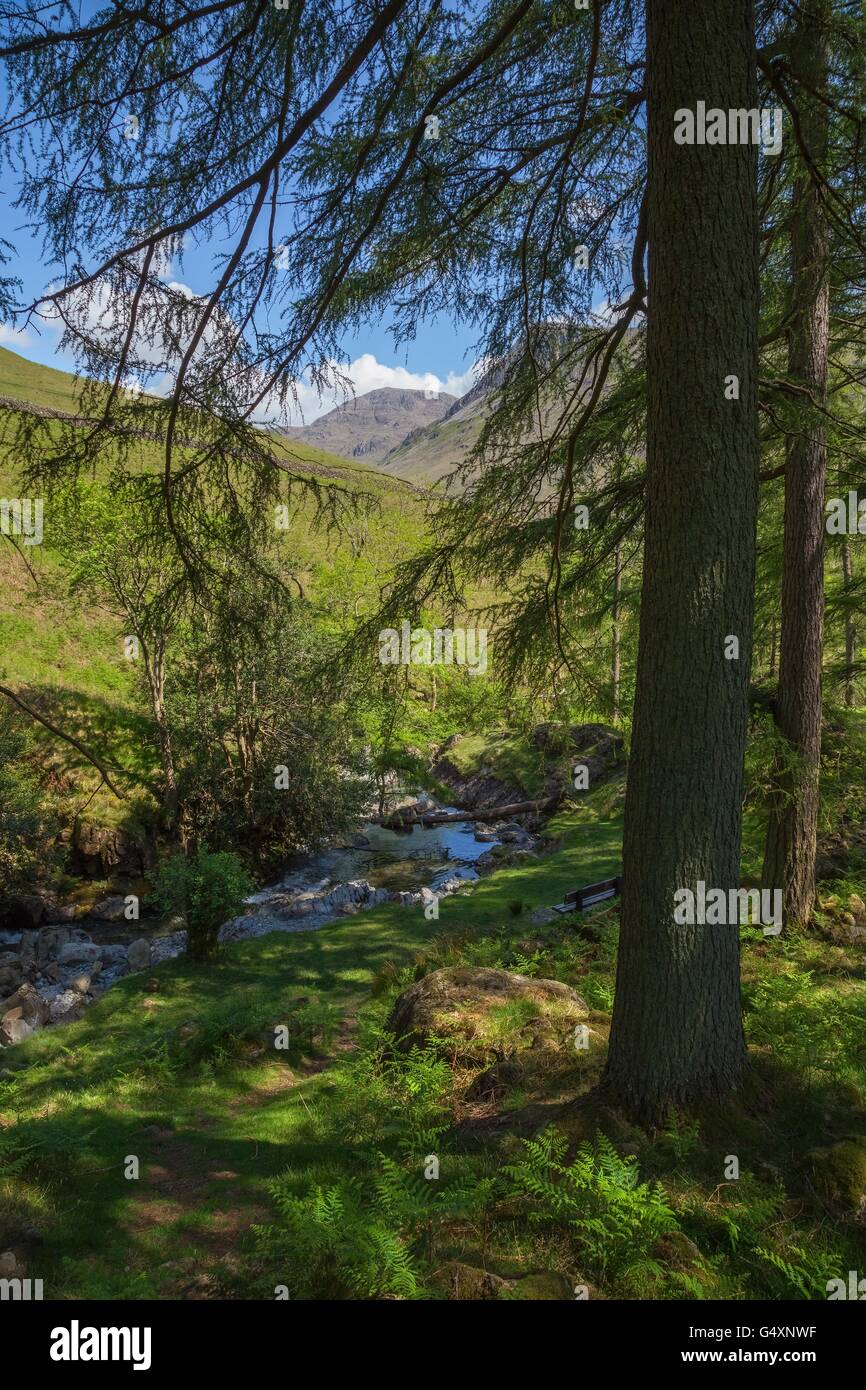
{"x": 14, "y": 1028}
{"x": 111, "y": 909}
{"x": 65, "y": 1005}
{"x": 80, "y": 984}
{"x": 79, "y": 953}
{"x": 545, "y": 1286}
{"x": 100, "y": 852}
{"x": 33, "y": 1007}
{"x": 839, "y": 1173}
{"x": 470, "y": 1284}
{"x": 355, "y": 891}
{"x": 27, "y": 949}
{"x": 12, "y": 1266}
{"x": 56, "y": 914}
{"x": 10, "y": 978}
{"x": 515, "y": 835}
{"x": 857, "y": 908}
{"x": 138, "y": 954}
{"x": 453, "y": 1004}
{"x": 676, "y": 1250}
{"x": 113, "y": 953}
{"x": 50, "y": 941}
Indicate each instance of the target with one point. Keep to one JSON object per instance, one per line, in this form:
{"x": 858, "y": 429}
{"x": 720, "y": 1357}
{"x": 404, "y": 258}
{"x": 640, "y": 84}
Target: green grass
{"x": 508, "y": 757}
{"x": 124, "y": 1081}
{"x": 180, "y": 1076}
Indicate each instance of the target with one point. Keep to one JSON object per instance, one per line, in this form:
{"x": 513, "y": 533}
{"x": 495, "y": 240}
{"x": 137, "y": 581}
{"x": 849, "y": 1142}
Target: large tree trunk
{"x": 677, "y": 1030}
{"x": 792, "y": 832}
{"x": 616, "y": 637}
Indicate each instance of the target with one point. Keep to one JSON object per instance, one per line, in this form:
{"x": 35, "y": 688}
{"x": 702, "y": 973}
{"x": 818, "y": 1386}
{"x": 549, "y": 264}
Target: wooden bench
{"x": 582, "y": 898}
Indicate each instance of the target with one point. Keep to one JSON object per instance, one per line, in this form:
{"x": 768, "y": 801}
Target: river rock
{"x": 27, "y": 949}
{"x": 138, "y": 954}
{"x": 57, "y": 914}
{"x": 406, "y": 899}
{"x": 65, "y": 1004}
{"x": 111, "y": 909}
{"x": 50, "y": 942}
{"x": 29, "y": 1001}
{"x": 14, "y": 1028}
{"x": 355, "y": 891}
{"x": 112, "y": 953}
{"x": 10, "y": 978}
{"x": 79, "y": 953}
{"x": 515, "y": 835}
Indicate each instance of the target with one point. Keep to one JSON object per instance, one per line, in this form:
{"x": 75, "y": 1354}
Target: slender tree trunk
{"x": 792, "y": 831}
{"x": 850, "y": 631}
{"x": 154, "y": 665}
{"x": 677, "y": 1030}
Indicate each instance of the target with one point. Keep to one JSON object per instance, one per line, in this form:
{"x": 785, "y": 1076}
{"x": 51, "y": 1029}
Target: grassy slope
{"x": 70, "y": 656}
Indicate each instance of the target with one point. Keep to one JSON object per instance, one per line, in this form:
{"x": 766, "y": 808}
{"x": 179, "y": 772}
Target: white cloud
{"x": 15, "y": 337}
{"x": 363, "y": 374}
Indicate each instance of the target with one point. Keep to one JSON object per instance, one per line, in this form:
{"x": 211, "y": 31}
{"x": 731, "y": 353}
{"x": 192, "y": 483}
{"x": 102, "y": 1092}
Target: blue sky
{"x": 441, "y": 351}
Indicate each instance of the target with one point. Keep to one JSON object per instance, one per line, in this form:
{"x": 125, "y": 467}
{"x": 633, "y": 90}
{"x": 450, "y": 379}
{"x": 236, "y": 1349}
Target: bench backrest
{"x": 595, "y": 892}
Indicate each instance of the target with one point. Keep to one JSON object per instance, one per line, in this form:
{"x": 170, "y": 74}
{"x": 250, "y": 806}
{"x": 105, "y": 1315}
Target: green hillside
{"x": 66, "y": 656}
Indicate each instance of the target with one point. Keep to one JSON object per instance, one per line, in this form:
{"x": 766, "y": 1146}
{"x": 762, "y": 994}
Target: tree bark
{"x": 616, "y": 637}
{"x": 677, "y": 1032}
{"x": 792, "y": 831}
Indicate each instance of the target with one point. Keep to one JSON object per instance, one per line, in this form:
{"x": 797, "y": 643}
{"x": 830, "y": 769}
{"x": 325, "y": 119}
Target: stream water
{"x": 394, "y": 860}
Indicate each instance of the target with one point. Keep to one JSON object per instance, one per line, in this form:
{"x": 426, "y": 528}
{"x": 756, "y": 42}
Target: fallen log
{"x": 400, "y": 820}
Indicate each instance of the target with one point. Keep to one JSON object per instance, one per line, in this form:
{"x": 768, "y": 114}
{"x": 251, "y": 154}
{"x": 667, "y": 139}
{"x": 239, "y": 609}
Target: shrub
{"x": 207, "y": 889}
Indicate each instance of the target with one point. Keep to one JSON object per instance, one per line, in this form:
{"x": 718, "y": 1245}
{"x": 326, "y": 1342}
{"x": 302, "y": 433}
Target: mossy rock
{"x": 483, "y": 1013}
{"x": 544, "y": 1287}
{"x": 468, "y": 1283}
{"x": 839, "y": 1173}
{"x": 676, "y": 1250}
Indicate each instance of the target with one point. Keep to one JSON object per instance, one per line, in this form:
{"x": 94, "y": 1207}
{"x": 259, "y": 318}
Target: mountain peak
{"x": 371, "y": 425}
